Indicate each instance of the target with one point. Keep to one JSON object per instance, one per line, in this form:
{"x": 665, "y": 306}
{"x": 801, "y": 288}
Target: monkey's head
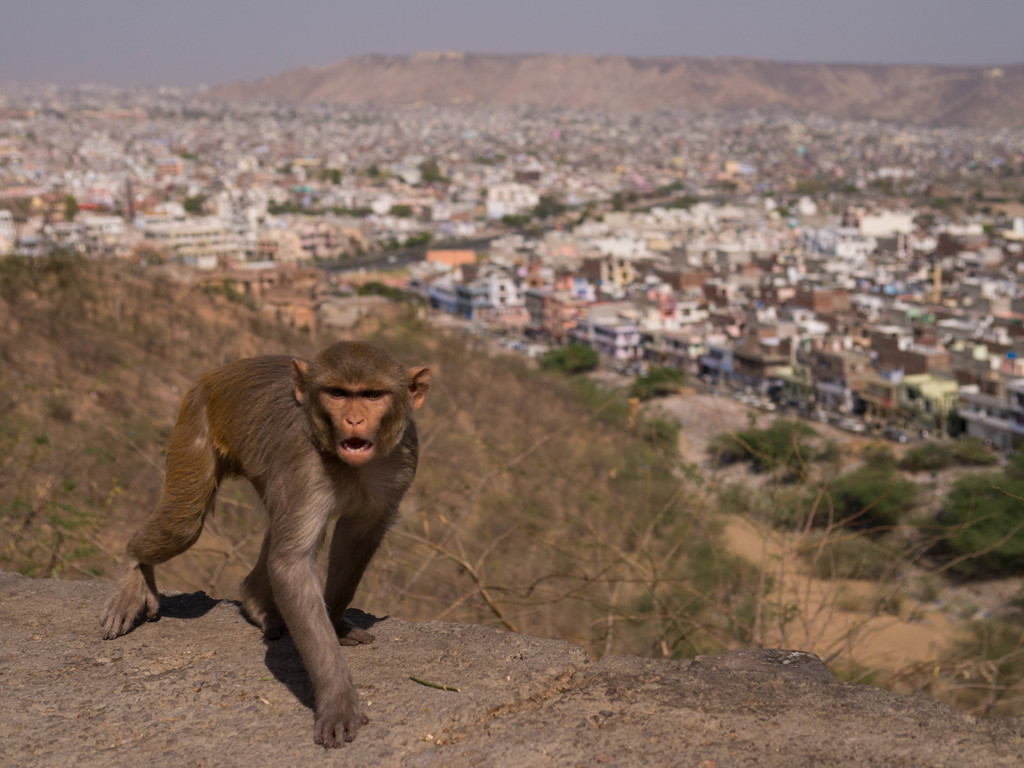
{"x": 359, "y": 399}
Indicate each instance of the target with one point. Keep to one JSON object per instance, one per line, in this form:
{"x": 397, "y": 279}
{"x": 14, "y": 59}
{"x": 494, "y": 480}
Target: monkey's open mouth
{"x": 355, "y": 446}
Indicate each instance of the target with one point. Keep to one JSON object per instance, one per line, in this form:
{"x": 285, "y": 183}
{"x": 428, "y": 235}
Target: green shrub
{"x": 984, "y": 521}
{"x": 973, "y": 452}
{"x": 376, "y": 288}
{"x": 781, "y": 506}
{"x": 930, "y": 457}
{"x": 852, "y": 556}
{"x": 992, "y": 652}
{"x": 786, "y": 443}
{"x": 575, "y": 358}
{"x": 660, "y": 433}
{"x": 868, "y": 497}
{"x": 934, "y": 456}
{"x": 657, "y": 382}
{"x": 879, "y": 455}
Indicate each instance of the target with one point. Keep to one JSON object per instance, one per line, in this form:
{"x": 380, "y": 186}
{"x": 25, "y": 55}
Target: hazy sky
{"x": 192, "y": 42}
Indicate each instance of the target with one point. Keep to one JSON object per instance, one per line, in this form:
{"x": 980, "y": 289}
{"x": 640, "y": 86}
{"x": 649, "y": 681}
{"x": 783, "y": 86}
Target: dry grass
{"x": 542, "y": 505}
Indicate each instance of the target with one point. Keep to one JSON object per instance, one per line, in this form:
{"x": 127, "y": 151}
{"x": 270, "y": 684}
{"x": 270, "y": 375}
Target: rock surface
{"x": 200, "y": 687}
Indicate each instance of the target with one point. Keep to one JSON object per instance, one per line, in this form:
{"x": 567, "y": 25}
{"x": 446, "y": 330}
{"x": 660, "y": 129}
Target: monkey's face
{"x": 356, "y": 417}
{"x": 358, "y": 399}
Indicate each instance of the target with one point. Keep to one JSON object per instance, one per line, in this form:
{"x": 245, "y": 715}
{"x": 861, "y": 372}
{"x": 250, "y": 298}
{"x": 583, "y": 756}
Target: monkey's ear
{"x": 419, "y": 383}
{"x": 300, "y": 376}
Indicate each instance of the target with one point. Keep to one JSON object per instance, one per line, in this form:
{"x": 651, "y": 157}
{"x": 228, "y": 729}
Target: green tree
{"x": 872, "y": 496}
{"x": 686, "y": 202}
{"x": 431, "y": 172}
{"x": 194, "y": 204}
{"x": 70, "y": 208}
{"x": 417, "y": 240}
{"x": 401, "y": 211}
{"x": 377, "y": 288}
{"x": 984, "y": 522}
{"x": 515, "y": 220}
{"x": 548, "y": 206}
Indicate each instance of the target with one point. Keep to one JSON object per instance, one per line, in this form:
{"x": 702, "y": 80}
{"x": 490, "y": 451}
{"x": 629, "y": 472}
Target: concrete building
{"x": 203, "y": 242}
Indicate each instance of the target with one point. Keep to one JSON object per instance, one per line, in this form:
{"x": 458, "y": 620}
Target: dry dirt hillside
{"x": 515, "y": 519}
{"x": 969, "y": 96}
{"x": 543, "y": 504}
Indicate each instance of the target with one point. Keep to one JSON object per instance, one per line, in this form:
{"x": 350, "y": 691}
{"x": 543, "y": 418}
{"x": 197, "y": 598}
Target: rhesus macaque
{"x": 334, "y": 437}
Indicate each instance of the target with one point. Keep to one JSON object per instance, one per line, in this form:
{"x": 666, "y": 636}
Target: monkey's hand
{"x": 338, "y": 718}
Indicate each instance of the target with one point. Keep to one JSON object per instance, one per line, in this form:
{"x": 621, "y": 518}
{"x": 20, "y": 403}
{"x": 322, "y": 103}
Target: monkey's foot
{"x": 134, "y": 592}
{"x": 349, "y": 634}
{"x": 263, "y": 613}
{"x": 337, "y": 722}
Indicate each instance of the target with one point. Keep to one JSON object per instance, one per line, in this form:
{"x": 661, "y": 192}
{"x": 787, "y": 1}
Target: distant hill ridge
{"x": 988, "y": 97}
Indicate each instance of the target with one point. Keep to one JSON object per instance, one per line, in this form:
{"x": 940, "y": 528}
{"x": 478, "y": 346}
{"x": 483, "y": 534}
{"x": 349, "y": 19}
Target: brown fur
{"x": 334, "y": 437}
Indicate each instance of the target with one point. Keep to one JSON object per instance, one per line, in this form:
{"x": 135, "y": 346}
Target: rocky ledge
{"x": 200, "y": 687}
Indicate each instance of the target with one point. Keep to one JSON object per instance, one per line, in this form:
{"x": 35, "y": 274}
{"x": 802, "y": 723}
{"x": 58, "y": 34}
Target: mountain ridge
{"x": 981, "y": 97}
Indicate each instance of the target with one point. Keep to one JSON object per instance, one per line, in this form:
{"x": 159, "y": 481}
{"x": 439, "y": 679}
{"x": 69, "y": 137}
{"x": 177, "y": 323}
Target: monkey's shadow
{"x": 186, "y": 605}
{"x": 283, "y": 660}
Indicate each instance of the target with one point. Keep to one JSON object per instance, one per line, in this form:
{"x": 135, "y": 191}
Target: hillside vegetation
{"x": 544, "y": 503}
{"x": 539, "y": 504}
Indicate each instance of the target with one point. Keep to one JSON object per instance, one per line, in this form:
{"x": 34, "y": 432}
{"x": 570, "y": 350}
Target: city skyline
{"x": 127, "y": 44}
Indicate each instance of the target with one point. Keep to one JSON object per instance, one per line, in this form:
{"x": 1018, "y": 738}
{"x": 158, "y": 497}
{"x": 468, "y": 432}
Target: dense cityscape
{"x": 858, "y": 272}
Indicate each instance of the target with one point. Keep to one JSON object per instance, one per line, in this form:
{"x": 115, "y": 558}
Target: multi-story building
{"x": 760, "y": 364}
{"x": 510, "y": 199}
{"x": 612, "y": 331}
{"x": 203, "y": 242}
{"x": 716, "y": 364}
{"x": 927, "y": 400}
{"x": 554, "y": 314}
{"x": 997, "y": 420}
{"x": 677, "y": 349}
{"x": 103, "y": 235}
{"x": 837, "y": 374}
{"x": 321, "y": 240}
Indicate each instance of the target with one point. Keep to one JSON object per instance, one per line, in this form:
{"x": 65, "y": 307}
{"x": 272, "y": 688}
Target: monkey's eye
{"x": 376, "y": 394}
{"x": 336, "y": 392}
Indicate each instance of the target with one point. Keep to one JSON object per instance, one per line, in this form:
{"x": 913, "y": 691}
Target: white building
{"x": 502, "y": 292}
{"x": 103, "y": 235}
{"x": 8, "y": 232}
{"x": 204, "y": 242}
{"x": 886, "y": 224}
{"x": 510, "y": 199}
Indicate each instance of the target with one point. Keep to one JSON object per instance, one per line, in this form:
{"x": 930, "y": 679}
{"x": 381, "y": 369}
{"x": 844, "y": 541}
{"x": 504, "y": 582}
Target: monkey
{"x": 330, "y": 438}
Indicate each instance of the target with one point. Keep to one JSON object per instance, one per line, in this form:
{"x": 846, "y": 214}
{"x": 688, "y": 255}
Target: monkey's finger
{"x": 350, "y": 731}
{"x": 112, "y": 627}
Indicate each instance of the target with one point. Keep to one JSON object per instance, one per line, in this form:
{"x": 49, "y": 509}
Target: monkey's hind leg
{"x": 351, "y": 552}
{"x": 258, "y": 597}
{"x": 189, "y": 492}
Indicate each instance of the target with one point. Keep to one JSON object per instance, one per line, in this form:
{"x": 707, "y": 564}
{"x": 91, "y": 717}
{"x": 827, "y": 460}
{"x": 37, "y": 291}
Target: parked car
{"x": 896, "y": 435}
{"x": 851, "y": 425}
